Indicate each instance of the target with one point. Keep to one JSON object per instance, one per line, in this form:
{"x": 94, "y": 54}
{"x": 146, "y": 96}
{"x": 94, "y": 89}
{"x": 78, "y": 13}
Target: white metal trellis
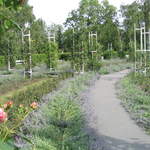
{"x": 142, "y": 62}
{"x": 92, "y": 38}
{"x": 51, "y": 37}
{"x": 28, "y": 71}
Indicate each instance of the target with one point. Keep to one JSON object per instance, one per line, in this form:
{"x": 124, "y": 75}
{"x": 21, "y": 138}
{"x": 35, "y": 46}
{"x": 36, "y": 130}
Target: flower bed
{"x": 12, "y": 113}
{"x": 11, "y": 118}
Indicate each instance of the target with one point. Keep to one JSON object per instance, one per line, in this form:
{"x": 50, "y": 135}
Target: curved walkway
{"x": 109, "y": 120}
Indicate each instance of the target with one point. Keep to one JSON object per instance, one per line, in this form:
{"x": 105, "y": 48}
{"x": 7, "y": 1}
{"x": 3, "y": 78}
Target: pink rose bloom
{"x": 3, "y": 116}
{"x": 34, "y": 105}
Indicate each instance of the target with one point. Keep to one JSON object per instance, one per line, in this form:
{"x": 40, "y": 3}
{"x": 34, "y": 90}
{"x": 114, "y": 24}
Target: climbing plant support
{"x": 142, "y": 50}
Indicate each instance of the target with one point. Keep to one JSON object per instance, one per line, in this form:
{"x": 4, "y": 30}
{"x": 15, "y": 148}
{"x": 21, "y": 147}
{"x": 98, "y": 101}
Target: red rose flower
{"x": 10, "y": 103}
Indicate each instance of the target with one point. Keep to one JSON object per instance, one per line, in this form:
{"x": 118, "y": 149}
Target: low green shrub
{"x": 37, "y": 90}
{"x": 52, "y": 55}
{"x": 43, "y": 144}
{"x": 59, "y": 124}
{"x": 135, "y": 100}
{"x": 65, "y": 56}
{"x": 34, "y": 92}
{"x": 142, "y": 81}
{"x": 114, "y": 65}
{"x": 109, "y": 54}
{"x": 94, "y": 65}
{"x": 38, "y": 59}
{"x": 6, "y": 72}
{"x": 2, "y": 61}
{"x": 65, "y": 121}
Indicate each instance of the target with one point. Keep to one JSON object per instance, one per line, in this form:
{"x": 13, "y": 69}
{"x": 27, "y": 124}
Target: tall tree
{"x": 39, "y": 36}
{"x": 132, "y": 14}
{"x": 146, "y": 10}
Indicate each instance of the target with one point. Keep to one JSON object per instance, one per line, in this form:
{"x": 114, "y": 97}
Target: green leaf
{"x": 5, "y": 146}
{"x": 7, "y": 24}
{"x": 1, "y": 2}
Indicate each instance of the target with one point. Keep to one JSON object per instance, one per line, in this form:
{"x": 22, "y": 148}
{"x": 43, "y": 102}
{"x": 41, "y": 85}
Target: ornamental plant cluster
{"x": 11, "y": 118}
{"x": 59, "y": 124}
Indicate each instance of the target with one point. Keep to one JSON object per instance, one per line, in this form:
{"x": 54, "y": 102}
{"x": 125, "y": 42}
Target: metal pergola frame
{"x": 141, "y": 64}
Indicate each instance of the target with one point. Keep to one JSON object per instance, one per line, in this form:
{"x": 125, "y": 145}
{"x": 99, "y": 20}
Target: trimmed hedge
{"x": 38, "y": 58}
{"x": 36, "y": 91}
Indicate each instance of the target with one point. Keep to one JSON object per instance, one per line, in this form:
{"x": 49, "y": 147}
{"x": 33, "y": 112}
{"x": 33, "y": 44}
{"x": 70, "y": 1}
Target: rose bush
{"x": 11, "y": 118}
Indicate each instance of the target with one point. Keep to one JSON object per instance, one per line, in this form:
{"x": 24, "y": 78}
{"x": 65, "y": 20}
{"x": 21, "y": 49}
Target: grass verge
{"x": 136, "y": 101}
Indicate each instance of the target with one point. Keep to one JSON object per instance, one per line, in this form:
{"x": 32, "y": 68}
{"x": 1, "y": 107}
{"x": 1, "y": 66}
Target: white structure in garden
{"x": 142, "y": 50}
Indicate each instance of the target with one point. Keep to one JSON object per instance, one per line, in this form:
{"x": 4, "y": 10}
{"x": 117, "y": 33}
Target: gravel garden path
{"x": 108, "y": 121}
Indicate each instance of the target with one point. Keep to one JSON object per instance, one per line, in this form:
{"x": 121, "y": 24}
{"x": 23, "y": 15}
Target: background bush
{"x": 2, "y": 61}
{"x": 38, "y": 59}
{"x": 108, "y": 54}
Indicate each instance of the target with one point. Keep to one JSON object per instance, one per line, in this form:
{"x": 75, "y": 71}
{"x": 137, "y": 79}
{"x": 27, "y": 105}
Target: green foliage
{"x": 65, "y": 121}
{"x": 110, "y": 54}
{"x": 94, "y": 65}
{"x": 59, "y": 123}
{"x": 12, "y": 4}
{"x": 142, "y": 81}
{"x": 65, "y": 56}
{"x": 52, "y": 55}
{"x": 102, "y": 20}
{"x": 135, "y": 100}
{"x": 15, "y": 117}
{"x": 133, "y": 14}
{"x": 114, "y": 65}
{"x": 42, "y": 144}
{"x": 38, "y": 59}
{"x": 34, "y": 92}
{"x": 2, "y": 61}
{"x": 6, "y": 146}
{"x": 39, "y": 36}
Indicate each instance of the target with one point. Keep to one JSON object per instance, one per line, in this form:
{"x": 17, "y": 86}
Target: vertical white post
{"x": 145, "y": 53}
{"x": 135, "y": 48}
{"x": 141, "y": 45}
{"x": 89, "y": 40}
{"x": 141, "y": 31}
{"x": 30, "y": 57}
{"x": 8, "y": 61}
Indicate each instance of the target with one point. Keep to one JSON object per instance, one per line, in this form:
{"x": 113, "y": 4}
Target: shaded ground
{"x": 109, "y": 124}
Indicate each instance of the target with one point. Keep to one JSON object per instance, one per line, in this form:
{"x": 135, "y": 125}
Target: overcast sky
{"x": 56, "y": 11}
